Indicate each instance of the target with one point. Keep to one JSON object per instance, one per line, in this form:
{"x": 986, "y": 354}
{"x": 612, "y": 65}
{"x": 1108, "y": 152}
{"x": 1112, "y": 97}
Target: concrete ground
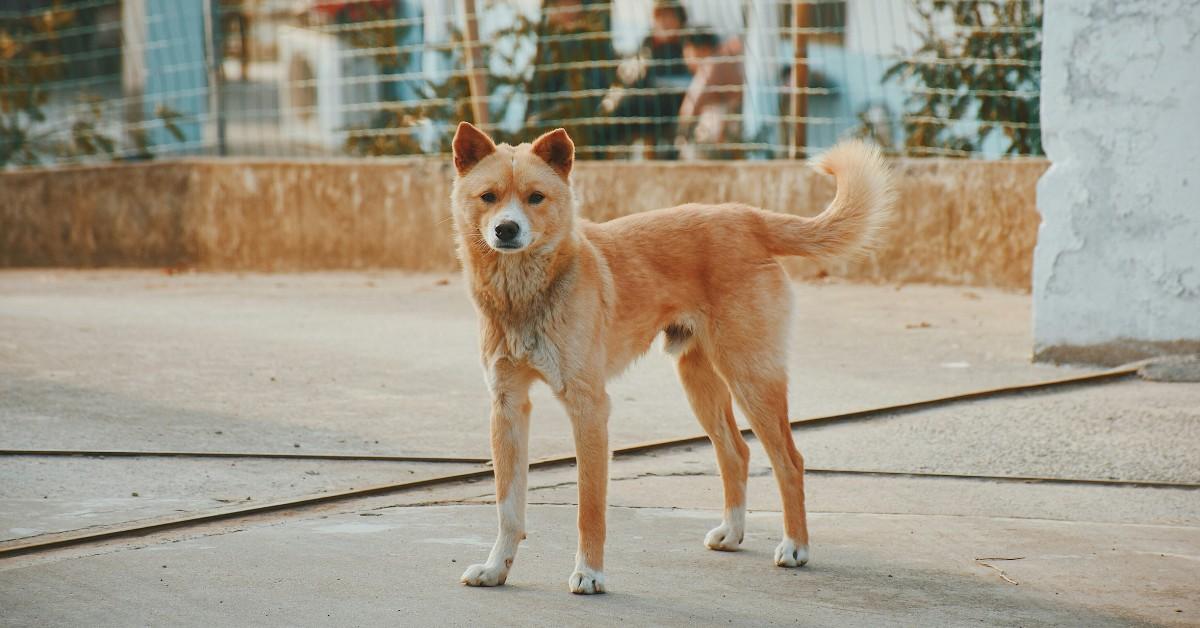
{"x": 385, "y": 363}
{"x": 361, "y": 362}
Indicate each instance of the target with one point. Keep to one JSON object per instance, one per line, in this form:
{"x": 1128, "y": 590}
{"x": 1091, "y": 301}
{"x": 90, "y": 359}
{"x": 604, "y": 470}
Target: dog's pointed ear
{"x": 556, "y": 149}
{"x": 470, "y": 146}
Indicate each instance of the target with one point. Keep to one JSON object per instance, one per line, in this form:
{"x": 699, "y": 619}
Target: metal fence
{"x": 88, "y": 80}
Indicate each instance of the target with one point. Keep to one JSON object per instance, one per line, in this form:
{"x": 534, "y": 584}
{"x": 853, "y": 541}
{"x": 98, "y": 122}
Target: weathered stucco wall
{"x": 108, "y": 216}
{"x": 1117, "y": 267}
{"x": 959, "y": 222}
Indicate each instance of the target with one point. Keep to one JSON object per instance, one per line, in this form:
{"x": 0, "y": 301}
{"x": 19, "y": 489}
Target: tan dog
{"x": 572, "y": 303}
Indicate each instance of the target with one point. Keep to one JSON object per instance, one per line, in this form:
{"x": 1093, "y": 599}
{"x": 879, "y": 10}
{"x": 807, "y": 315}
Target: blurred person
{"x": 708, "y": 115}
{"x": 658, "y": 66}
{"x": 662, "y": 49}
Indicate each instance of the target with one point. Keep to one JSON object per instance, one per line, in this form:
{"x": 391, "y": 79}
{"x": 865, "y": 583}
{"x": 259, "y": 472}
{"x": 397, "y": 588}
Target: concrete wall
{"x": 1117, "y": 267}
{"x": 958, "y": 222}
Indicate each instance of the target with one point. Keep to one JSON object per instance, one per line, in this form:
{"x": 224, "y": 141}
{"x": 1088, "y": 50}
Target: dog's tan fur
{"x": 579, "y": 301}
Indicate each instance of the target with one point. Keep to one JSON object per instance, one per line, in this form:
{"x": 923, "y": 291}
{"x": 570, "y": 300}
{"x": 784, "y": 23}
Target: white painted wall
{"x": 882, "y": 27}
{"x": 1118, "y": 253}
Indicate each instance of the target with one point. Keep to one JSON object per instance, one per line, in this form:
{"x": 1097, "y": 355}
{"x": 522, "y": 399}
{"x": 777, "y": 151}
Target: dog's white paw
{"x": 586, "y": 582}
{"x": 724, "y": 538}
{"x": 791, "y": 554}
{"x": 484, "y": 576}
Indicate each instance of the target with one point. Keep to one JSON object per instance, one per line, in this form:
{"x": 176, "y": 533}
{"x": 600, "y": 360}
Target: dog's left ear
{"x": 556, "y": 149}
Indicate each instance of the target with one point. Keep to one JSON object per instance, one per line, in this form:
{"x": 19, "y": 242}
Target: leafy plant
{"x": 32, "y": 57}
{"x": 87, "y": 138}
{"x": 394, "y": 128}
{"x": 29, "y": 58}
{"x": 985, "y": 69}
{"x": 552, "y": 94}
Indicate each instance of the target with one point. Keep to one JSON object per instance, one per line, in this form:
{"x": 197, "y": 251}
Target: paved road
{"x": 385, "y": 363}
{"x": 379, "y": 363}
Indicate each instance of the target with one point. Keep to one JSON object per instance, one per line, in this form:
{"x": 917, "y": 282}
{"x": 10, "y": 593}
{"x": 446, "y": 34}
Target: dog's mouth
{"x": 507, "y": 248}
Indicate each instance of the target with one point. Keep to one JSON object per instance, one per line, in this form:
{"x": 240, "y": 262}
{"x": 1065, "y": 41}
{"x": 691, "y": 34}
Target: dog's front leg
{"x": 587, "y": 403}
{"x": 510, "y": 463}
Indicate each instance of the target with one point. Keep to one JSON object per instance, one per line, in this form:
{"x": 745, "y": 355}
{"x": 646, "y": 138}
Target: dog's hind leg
{"x": 588, "y": 406}
{"x": 510, "y": 462}
{"x": 765, "y": 405}
{"x": 710, "y": 399}
{"x": 748, "y": 348}
{"x": 763, "y": 398}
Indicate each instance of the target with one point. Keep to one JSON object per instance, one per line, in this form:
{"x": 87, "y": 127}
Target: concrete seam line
{"x": 866, "y": 413}
{"x": 987, "y": 393}
{"x": 119, "y": 531}
{"x": 18, "y": 548}
{"x": 1028, "y": 479}
{"x": 67, "y": 539}
{"x": 118, "y": 453}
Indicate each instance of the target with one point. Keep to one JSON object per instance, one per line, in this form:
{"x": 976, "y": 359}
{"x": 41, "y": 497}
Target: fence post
{"x": 798, "y": 100}
{"x": 133, "y": 62}
{"x": 475, "y": 64}
{"x": 213, "y": 53}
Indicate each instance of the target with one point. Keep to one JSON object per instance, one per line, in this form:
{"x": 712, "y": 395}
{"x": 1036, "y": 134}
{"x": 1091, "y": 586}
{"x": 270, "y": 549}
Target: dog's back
{"x": 674, "y": 266}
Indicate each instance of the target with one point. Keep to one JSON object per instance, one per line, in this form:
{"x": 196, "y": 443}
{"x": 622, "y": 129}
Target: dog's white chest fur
{"x": 532, "y": 300}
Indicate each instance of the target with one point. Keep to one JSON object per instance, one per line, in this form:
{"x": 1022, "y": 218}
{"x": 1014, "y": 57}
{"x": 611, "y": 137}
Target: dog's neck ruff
{"x": 526, "y": 284}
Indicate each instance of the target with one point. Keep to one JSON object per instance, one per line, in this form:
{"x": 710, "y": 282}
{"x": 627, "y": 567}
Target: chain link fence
{"x": 94, "y": 80}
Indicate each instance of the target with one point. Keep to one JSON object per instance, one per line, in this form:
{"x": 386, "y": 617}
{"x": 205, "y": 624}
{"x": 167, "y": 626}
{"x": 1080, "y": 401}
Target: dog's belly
{"x": 629, "y": 344}
{"x": 619, "y": 358}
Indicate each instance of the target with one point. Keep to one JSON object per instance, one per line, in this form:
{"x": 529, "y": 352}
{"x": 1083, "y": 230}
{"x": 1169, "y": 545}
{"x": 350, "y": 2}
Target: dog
{"x": 572, "y": 303}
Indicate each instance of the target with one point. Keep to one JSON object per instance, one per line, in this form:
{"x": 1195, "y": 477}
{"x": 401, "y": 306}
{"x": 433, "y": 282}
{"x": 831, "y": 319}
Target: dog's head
{"x": 513, "y": 198}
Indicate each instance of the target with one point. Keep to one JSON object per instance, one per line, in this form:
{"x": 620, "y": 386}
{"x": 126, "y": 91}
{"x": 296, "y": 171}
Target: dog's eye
{"x": 488, "y": 197}
{"x": 536, "y": 198}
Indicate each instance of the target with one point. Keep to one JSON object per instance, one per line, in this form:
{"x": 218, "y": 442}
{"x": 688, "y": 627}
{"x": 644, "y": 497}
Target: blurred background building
{"x": 89, "y": 80}
{"x": 1114, "y": 218}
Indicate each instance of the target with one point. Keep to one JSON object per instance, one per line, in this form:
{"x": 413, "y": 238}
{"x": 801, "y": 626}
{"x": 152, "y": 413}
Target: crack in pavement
{"x": 857, "y": 513}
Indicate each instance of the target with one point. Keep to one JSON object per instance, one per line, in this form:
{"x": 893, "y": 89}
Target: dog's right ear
{"x": 470, "y": 146}
{"x": 557, "y": 150}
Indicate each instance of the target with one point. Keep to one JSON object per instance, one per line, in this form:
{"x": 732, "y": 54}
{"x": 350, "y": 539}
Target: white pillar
{"x": 1117, "y": 266}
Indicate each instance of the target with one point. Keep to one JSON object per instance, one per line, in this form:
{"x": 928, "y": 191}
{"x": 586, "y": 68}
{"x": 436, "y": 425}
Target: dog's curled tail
{"x": 852, "y": 222}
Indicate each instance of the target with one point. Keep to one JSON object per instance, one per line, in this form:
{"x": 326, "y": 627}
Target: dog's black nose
{"x": 507, "y": 231}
